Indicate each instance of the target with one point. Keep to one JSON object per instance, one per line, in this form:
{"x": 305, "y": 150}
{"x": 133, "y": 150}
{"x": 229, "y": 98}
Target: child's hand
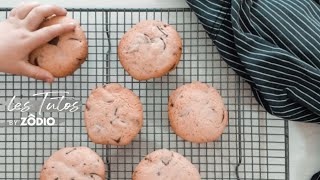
{"x": 19, "y": 36}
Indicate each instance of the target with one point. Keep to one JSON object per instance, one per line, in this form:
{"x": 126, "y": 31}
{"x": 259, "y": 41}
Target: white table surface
{"x": 304, "y": 138}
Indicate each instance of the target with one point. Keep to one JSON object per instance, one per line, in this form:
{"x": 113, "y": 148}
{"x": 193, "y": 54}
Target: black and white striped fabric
{"x": 316, "y": 176}
{"x": 274, "y": 45}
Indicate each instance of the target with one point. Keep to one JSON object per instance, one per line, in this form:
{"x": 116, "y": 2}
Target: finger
{"x": 36, "y": 72}
{"x": 39, "y": 13}
{"x": 24, "y": 10}
{"x": 13, "y": 12}
{"x": 46, "y": 34}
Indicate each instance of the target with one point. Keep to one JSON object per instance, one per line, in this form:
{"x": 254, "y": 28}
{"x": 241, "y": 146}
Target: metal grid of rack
{"x": 253, "y": 146}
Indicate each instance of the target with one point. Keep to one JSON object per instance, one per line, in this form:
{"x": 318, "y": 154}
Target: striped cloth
{"x": 274, "y": 45}
{"x": 316, "y": 176}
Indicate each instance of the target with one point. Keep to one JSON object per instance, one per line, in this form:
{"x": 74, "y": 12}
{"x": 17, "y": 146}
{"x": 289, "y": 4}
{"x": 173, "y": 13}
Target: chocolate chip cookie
{"x": 164, "y": 164}
{"x": 73, "y": 163}
{"x": 197, "y": 113}
{"x": 113, "y": 115}
{"x": 150, "y": 49}
{"x": 64, "y": 54}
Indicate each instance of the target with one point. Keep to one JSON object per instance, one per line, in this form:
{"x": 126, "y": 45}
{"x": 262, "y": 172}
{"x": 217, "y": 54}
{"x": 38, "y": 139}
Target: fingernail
{"x": 49, "y": 80}
{"x": 72, "y": 24}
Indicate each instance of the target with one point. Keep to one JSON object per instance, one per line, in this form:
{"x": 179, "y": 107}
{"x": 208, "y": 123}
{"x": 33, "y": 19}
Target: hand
{"x": 19, "y": 36}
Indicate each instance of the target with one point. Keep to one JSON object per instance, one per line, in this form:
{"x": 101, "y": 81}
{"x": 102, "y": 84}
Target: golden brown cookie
{"x": 150, "y": 49}
{"x": 197, "y": 113}
{"x": 113, "y": 115}
{"x": 73, "y": 163}
{"x": 64, "y": 54}
{"x": 165, "y": 165}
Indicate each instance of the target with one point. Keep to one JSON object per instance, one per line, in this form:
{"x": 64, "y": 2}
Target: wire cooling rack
{"x": 253, "y": 146}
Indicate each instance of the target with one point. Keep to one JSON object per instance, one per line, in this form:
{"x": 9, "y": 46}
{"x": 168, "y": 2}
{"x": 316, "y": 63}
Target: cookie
{"x": 150, "y": 49}
{"x": 64, "y": 54}
{"x": 77, "y": 163}
{"x": 197, "y": 113}
{"x": 164, "y": 164}
{"x": 113, "y": 115}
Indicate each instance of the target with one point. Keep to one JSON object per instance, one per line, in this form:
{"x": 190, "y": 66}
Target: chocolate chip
{"x": 87, "y": 108}
{"x": 185, "y": 114}
{"x": 165, "y": 45}
{"x": 56, "y": 178}
{"x": 110, "y": 101}
{"x": 54, "y": 41}
{"x": 70, "y": 151}
{"x": 79, "y": 59}
{"x": 158, "y": 173}
{"x": 166, "y": 161}
{"x": 36, "y": 61}
{"x": 117, "y": 140}
{"x": 147, "y": 159}
{"x": 222, "y": 117}
{"x": 171, "y": 105}
{"x": 148, "y": 40}
{"x": 115, "y": 112}
{"x": 160, "y": 29}
{"x": 93, "y": 174}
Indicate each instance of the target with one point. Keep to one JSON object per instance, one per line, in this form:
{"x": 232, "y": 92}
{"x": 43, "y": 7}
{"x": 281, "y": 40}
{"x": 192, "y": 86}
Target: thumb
{"x": 36, "y": 72}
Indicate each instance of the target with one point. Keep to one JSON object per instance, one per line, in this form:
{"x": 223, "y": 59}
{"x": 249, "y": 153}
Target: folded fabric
{"x": 316, "y": 176}
{"x": 274, "y": 45}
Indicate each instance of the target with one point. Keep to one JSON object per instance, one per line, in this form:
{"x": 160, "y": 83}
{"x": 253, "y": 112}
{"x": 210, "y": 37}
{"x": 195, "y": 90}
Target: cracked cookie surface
{"x": 76, "y": 163}
{"x": 165, "y": 165}
{"x": 113, "y": 115}
{"x": 63, "y": 54}
{"x": 197, "y": 113}
{"x": 150, "y": 49}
